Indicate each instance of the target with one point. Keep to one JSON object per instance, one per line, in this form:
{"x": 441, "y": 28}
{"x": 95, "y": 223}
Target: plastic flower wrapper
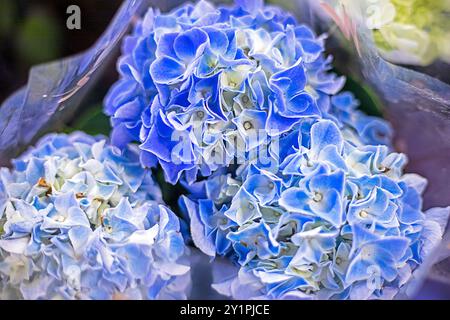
{"x": 287, "y": 178}
{"x": 81, "y": 220}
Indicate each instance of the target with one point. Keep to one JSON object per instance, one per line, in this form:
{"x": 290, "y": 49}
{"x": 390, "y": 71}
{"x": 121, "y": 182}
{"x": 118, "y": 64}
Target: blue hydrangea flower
{"x": 202, "y": 87}
{"x": 81, "y": 220}
{"x": 335, "y": 227}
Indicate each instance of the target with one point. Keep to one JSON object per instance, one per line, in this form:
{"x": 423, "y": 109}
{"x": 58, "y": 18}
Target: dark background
{"x": 34, "y": 32}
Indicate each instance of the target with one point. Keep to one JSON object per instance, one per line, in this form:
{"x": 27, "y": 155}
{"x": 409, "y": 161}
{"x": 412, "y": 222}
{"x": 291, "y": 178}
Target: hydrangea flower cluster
{"x": 203, "y": 87}
{"x": 81, "y": 220}
{"x": 337, "y": 221}
{"x": 413, "y": 32}
{"x": 287, "y": 178}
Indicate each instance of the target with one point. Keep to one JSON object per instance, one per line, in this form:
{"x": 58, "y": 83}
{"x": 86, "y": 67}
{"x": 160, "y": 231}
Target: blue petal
{"x": 324, "y": 133}
{"x": 198, "y": 232}
{"x": 65, "y": 201}
{"x": 295, "y": 200}
{"x": 190, "y": 43}
{"x": 165, "y": 45}
{"x": 166, "y": 70}
{"x": 218, "y": 40}
{"x": 291, "y": 81}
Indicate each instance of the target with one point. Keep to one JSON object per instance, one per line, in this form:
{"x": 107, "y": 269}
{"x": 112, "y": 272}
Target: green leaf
{"x": 93, "y": 122}
{"x": 370, "y": 103}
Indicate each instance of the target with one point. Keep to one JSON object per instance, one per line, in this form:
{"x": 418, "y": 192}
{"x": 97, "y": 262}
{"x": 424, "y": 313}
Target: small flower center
{"x": 232, "y": 84}
{"x": 363, "y": 214}
{"x": 43, "y": 183}
{"x": 60, "y": 218}
{"x": 248, "y": 125}
{"x": 251, "y": 206}
{"x": 271, "y": 185}
{"x": 366, "y": 253}
{"x": 338, "y": 260}
{"x": 245, "y": 99}
{"x": 317, "y": 197}
{"x": 200, "y": 114}
{"x": 79, "y": 195}
{"x": 383, "y": 169}
{"x": 259, "y": 239}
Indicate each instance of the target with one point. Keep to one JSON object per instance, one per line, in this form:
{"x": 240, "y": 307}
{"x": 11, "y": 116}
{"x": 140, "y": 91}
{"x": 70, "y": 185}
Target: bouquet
{"x": 284, "y": 178}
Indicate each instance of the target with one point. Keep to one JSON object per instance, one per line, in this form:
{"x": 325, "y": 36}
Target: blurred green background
{"x": 34, "y": 32}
